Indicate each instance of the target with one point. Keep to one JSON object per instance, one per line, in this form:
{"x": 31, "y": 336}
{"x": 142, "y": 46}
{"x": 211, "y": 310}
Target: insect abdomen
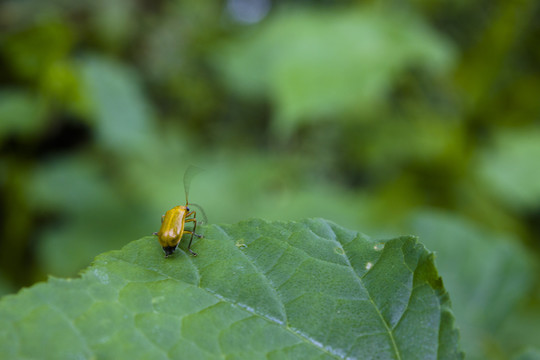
{"x": 172, "y": 228}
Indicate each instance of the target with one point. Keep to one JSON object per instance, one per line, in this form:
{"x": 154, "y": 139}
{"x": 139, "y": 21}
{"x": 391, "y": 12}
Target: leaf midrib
{"x": 360, "y": 282}
{"x": 350, "y": 268}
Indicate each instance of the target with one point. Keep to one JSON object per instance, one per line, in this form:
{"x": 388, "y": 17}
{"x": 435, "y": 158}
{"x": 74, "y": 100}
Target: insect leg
{"x": 193, "y": 220}
{"x": 192, "y": 232}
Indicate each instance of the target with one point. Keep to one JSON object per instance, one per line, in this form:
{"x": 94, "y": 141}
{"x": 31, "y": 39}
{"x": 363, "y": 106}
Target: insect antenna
{"x": 191, "y": 171}
{"x": 203, "y": 213}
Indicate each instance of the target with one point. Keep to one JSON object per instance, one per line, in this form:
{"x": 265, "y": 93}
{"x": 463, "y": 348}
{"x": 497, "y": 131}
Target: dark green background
{"x": 387, "y": 117}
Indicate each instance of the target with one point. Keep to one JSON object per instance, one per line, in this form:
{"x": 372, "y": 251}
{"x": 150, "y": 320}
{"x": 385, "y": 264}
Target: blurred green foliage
{"x": 305, "y": 84}
{"x": 389, "y": 117}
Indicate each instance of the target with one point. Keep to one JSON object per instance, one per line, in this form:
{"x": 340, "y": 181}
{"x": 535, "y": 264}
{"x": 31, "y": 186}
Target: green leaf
{"x": 309, "y": 289}
{"x": 509, "y": 168}
{"x": 324, "y": 64}
{"x": 121, "y": 112}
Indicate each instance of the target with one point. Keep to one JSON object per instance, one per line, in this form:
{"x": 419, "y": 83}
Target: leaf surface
{"x": 278, "y": 290}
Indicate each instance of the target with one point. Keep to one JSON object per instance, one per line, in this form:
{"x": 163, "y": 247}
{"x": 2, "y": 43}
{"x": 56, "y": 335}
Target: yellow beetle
{"x": 173, "y": 222}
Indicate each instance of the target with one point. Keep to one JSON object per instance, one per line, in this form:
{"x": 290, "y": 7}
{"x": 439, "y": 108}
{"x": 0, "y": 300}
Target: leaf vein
{"x": 268, "y": 281}
{"x": 359, "y": 280}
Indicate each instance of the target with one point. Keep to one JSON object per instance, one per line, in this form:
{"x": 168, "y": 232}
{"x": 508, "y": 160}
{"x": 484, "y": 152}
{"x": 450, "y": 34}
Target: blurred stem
{"x": 482, "y": 66}
{"x": 16, "y": 257}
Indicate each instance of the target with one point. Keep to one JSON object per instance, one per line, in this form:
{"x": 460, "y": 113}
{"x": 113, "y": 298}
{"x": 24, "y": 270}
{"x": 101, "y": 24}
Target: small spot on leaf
{"x": 378, "y": 247}
{"x": 339, "y": 251}
{"x": 240, "y": 244}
